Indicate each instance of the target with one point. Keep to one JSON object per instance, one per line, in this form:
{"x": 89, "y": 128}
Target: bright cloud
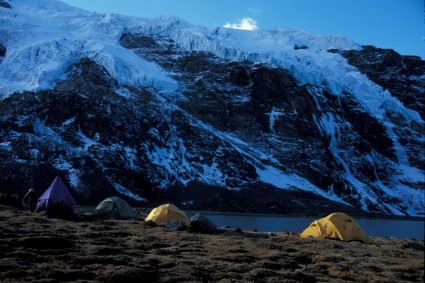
{"x": 245, "y": 24}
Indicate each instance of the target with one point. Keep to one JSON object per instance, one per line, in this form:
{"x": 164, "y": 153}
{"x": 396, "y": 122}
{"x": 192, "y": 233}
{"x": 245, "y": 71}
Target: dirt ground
{"x": 34, "y": 248}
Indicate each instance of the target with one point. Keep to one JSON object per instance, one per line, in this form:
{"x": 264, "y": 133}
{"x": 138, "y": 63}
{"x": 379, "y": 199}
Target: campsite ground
{"x": 34, "y": 248}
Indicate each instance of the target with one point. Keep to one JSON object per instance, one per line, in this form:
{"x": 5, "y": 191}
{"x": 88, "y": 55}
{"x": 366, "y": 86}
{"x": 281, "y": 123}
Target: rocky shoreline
{"x": 34, "y": 248}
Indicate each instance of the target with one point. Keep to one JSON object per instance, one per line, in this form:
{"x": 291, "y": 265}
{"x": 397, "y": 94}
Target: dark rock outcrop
{"x": 5, "y": 5}
{"x": 403, "y": 76}
{"x": 2, "y": 51}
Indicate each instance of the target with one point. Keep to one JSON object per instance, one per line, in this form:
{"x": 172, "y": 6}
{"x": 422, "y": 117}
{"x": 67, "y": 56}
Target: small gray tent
{"x": 114, "y": 207}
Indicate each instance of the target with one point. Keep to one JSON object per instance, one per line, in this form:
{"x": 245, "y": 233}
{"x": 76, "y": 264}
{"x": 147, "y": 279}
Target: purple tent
{"x": 57, "y": 192}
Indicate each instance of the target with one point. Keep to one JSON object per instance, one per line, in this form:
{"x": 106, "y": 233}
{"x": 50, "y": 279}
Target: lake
{"x": 374, "y": 227}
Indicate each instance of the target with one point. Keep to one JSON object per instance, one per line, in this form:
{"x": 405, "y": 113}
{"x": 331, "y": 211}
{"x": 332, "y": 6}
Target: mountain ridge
{"x": 152, "y": 105}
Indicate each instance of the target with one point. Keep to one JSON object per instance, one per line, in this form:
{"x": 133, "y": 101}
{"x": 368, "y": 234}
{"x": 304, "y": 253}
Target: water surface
{"x": 374, "y": 227}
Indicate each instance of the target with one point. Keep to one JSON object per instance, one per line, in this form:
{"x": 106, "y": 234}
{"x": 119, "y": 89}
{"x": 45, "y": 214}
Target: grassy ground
{"x": 34, "y": 248}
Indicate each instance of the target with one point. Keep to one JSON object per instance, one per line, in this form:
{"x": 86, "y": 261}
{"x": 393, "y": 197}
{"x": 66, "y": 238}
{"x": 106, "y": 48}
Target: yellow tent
{"x": 163, "y": 213}
{"x": 336, "y": 226}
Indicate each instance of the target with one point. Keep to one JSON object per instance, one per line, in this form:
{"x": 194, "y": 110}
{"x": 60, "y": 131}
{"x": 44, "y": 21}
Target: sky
{"x": 395, "y": 24}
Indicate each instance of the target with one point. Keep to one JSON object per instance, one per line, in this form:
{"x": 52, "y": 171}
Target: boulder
{"x": 201, "y": 224}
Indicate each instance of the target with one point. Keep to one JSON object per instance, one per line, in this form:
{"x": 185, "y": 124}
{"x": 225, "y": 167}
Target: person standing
{"x": 30, "y": 200}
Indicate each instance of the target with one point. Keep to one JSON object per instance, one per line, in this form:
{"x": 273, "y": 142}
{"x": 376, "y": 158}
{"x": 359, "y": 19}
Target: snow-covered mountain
{"x": 159, "y": 109}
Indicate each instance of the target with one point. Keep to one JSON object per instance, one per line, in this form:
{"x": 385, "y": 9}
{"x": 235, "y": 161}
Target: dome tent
{"x": 166, "y": 212}
{"x": 114, "y": 207}
{"x": 336, "y": 226}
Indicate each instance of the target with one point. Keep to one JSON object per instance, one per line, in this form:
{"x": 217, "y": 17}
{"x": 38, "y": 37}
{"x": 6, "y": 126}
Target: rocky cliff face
{"x": 240, "y": 135}
{"x": 401, "y": 75}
